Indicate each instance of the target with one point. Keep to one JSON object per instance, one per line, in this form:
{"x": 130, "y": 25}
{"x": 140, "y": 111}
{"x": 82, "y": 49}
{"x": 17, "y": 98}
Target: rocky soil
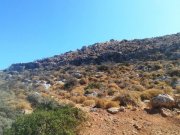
{"x": 130, "y": 123}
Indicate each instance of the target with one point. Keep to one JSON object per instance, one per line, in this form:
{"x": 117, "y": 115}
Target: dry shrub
{"x": 78, "y": 91}
{"x": 168, "y": 90}
{"x": 64, "y": 94}
{"x": 21, "y": 96}
{"x": 137, "y": 88}
{"x": 105, "y": 104}
{"x": 111, "y": 92}
{"x": 178, "y": 89}
{"x": 89, "y": 103}
{"x": 70, "y": 84}
{"x": 67, "y": 95}
{"x": 128, "y": 98}
{"x": 44, "y": 94}
{"x": 23, "y": 105}
{"x": 92, "y": 98}
{"x": 93, "y": 79}
{"x": 101, "y": 103}
{"x": 83, "y": 81}
{"x": 113, "y": 86}
{"x": 78, "y": 99}
{"x": 112, "y": 104}
{"x": 148, "y": 94}
{"x": 57, "y": 86}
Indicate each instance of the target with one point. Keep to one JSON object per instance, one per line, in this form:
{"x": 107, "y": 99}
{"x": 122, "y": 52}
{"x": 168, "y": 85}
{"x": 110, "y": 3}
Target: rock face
{"x": 159, "y": 48}
{"x": 113, "y": 110}
{"x": 162, "y": 100}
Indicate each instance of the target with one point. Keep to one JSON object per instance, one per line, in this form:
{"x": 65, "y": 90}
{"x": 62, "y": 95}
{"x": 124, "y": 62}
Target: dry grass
{"x": 79, "y": 91}
{"x": 89, "y": 103}
{"x": 22, "y": 105}
{"x": 105, "y": 104}
{"x": 112, "y": 104}
{"x": 148, "y": 94}
{"x": 178, "y": 89}
{"x": 113, "y": 86}
{"x": 78, "y": 99}
{"x": 129, "y": 98}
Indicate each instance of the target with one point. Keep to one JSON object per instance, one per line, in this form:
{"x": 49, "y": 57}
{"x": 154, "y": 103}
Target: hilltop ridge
{"x": 158, "y": 48}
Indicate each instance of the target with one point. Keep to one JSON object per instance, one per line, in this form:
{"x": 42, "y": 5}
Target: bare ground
{"x": 129, "y": 123}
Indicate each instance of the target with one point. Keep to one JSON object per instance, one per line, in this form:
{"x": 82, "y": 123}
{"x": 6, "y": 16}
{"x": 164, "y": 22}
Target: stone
{"x": 166, "y": 112}
{"x": 78, "y": 75}
{"x": 113, "y": 110}
{"x": 122, "y": 109}
{"x": 93, "y": 109}
{"x": 26, "y": 111}
{"x": 162, "y": 100}
{"x": 138, "y": 127}
{"x": 134, "y": 109}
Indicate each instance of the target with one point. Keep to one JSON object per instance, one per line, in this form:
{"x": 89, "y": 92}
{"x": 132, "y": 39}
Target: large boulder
{"x": 162, "y": 100}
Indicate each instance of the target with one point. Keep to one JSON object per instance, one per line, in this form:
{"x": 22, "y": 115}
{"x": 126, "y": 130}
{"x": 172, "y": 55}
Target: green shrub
{"x": 59, "y": 121}
{"x": 70, "y": 84}
{"x": 174, "y": 72}
{"x": 94, "y": 85}
{"x": 103, "y": 68}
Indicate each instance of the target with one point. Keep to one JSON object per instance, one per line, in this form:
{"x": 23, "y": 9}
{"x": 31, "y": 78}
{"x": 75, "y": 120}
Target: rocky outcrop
{"x": 166, "y": 47}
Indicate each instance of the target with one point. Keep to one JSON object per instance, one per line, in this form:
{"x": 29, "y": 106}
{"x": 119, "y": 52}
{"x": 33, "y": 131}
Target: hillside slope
{"x": 165, "y": 47}
{"x": 121, "y": 75}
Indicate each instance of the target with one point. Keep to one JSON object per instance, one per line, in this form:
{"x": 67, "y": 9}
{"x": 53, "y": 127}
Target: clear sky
{"x": 35, "y": 29}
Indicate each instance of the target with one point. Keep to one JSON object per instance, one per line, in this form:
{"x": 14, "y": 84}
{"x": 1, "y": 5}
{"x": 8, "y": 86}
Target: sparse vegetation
{"x": 103, "y": 75}
{"x": 60, "y": 121}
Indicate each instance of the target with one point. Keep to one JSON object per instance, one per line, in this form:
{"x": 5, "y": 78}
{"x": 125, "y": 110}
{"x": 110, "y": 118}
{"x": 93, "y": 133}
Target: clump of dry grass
{"x": 112, "y": 104}
{"x": 64, "y": 94}
{"x": 127, "y": 98}
{"x": 79, "y": 91}
{"x": 137, "y": 87}
{"x": 22, "y": 105}
{"x": 178, "y": 89}
{"x": 148, "y": 94}
{"x": 89, "y": 103}
{"x": 78, "y": 99}
{"x": 105, "y": 104}
{"x": 113, "y": 86}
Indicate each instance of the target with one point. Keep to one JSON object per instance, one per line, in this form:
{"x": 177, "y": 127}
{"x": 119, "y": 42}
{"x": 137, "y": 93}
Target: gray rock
{"x": 122, "y": 109}
{"x": 138, "y": 127}
{"x": 166, "y": 112}
{"x": 78, "y": 75}
{"x": 162, "y": 100}
{"x": 113, "y": 110}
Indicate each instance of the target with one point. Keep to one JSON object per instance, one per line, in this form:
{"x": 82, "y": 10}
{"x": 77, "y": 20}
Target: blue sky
{"x": 35, "y": 29}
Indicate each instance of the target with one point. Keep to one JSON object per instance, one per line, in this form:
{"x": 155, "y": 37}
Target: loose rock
{"x": 113, "y": 110}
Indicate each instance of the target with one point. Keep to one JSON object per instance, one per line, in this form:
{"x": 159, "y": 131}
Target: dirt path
{"x": 130, "y": 123}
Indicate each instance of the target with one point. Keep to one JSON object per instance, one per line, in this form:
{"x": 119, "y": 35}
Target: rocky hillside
{"x": 125, "y": 87}
{"x": 159, "y": 48}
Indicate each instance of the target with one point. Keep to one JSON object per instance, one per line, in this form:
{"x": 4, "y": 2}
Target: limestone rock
{"x": 162, "y": 100}
{"x": 113, "y": 110}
